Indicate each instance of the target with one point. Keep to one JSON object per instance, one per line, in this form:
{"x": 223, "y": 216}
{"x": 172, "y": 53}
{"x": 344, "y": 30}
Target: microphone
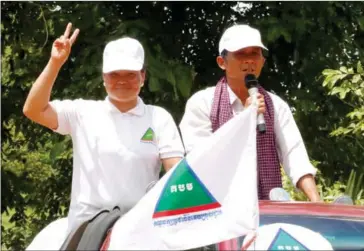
{"x": 251, "y": 84}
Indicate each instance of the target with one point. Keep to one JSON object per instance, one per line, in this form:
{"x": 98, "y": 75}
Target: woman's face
{"x": 124, "y": 85}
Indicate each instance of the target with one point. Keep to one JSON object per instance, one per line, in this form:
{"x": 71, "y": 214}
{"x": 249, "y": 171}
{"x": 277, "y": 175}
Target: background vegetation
{"x": 315, "y": 50}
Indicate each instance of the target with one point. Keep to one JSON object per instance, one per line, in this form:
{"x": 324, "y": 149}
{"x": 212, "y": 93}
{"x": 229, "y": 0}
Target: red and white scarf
{"x": 269, "y": 175}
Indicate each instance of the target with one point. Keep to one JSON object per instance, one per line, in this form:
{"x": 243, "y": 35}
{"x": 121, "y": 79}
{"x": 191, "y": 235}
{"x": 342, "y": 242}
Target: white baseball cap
{"x": 239, "y": 37}
{"x": 123, "y": 54}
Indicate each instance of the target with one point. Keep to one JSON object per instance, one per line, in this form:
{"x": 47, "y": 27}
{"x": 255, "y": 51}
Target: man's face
{"x": 123, "y": 86}
{"x": 242, "y": 62}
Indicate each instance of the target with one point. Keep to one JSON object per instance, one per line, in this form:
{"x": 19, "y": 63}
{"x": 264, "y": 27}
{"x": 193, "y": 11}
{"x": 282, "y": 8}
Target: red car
{"x": 288, "y": 225}
{"x": 341, "y": 225}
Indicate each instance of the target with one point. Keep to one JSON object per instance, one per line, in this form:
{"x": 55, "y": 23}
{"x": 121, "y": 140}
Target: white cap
{"x": 123, "y": 54}
{"x": 239, "y": 37}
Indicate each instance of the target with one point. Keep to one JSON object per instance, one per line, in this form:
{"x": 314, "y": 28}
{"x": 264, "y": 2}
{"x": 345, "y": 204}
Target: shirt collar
{"x": 232, "y": 95}
{"x": 138, "y": 110}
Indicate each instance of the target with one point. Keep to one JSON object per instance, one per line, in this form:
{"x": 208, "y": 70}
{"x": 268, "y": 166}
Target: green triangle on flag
{"x": 285, "y": 241}
{"x": 148, "y": 135}
{"x": 184, "y": 193}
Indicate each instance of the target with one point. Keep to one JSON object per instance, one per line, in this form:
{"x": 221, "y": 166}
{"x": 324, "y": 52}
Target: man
{"x": 240, "y": 51}
{"x": 119, "y": 143}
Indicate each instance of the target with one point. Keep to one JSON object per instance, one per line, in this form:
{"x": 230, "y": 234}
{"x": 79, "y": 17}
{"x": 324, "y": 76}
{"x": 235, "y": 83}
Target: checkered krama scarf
{"x": 269, "y": 175}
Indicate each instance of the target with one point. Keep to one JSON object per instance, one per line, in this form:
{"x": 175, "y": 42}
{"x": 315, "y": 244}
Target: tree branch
{"x": 44, "y": 20}
{"x": 45, "y": 25}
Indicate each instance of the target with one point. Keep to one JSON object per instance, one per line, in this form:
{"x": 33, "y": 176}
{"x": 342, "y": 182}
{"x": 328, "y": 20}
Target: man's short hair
{"x": 224, "y": 53}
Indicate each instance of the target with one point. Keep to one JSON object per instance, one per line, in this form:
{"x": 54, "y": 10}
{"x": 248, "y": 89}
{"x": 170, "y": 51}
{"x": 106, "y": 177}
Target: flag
{"x": 51, "y": 237}
{"x": 208, "y": 197}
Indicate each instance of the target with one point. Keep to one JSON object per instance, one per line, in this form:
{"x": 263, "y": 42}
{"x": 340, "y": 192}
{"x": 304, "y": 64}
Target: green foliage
{"x": 348, "y": 85}
{"x": 180, "y": 41}
{"x": 329, "y": 191}
{"x": 355, "y": 187}
{"x": 34, "y": 184}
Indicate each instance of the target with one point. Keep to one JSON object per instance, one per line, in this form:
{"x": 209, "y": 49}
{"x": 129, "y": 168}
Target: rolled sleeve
{"x": 66, "y": 114}
{"x": 169, "y": 139}
{"x": 291, "y": 148}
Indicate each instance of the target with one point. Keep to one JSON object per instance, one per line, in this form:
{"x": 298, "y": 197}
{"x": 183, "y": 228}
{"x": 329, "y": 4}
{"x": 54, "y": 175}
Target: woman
{"x": 119, "y": 143}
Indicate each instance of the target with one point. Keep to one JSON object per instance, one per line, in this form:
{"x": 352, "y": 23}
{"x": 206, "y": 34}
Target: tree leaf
{"x": 153, "y": 84}
{"x": 359, "y": 67}
{"x": 57, "y": 149}
{"x": 344, "y": 69}
{"x": 330, "y": 72}
{"x": 356, "y": 78}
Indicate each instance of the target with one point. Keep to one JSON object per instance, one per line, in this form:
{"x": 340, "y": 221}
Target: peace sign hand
{"x": 61, "y": 48}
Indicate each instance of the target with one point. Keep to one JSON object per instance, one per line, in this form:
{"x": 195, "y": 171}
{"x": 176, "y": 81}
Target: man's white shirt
{"x": 196, "y": 125}
{"x": 115, "y": 155}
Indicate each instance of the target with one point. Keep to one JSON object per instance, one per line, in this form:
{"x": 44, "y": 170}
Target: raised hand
{"x": 61, "y": 48}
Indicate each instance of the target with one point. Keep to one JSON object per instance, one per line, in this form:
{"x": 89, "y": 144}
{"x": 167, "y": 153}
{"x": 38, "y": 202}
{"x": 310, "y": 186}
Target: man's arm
{"x": 195, "y": 124}
{"x": 308, "y": 185}
{"x": 37, "y": 106}
{"x": 170, "y": 162}
{"x": 292, "y": 151}
{"x": 170, "y": 146}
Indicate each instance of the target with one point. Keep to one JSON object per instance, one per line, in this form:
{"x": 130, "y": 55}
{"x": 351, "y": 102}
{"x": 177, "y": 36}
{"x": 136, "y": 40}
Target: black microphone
{"x": 251, "y": 84}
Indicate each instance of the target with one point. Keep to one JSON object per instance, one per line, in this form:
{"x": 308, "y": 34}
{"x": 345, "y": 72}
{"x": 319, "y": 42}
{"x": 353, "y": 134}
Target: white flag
{"x": 209, "y": 197}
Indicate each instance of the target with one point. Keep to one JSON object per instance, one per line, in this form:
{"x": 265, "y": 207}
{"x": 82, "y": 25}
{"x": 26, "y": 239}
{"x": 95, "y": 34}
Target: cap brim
{"x": 239, "y": 47}
{"x": 118, "y": 65}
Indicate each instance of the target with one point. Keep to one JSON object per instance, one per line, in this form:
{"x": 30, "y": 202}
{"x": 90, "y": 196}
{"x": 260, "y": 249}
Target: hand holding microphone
{"x": 251, "y": 84}
{"x": 259, "y": 100}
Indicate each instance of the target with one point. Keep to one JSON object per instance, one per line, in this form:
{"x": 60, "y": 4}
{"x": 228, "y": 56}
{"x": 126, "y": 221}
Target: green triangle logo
{"x": 148, "y": 135}
{"x": 184, "y": 193}
{"x": 285, "y": 241}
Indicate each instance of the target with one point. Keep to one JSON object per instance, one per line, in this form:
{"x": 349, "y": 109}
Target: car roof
{"x": 309, "y": 208}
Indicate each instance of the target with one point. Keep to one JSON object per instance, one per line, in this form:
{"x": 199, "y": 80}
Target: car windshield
{"x": 343, "y": 233}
